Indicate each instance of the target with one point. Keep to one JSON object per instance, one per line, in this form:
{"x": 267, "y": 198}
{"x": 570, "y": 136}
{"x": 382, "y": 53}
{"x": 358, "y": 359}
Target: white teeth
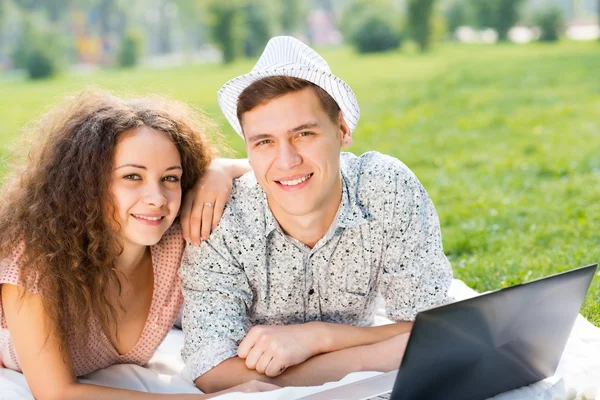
{"x": 148, "y": 218}
{"x": 295, "y": 181}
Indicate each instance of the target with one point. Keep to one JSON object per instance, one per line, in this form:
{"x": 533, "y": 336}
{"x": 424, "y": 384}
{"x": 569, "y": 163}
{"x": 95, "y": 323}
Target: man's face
{"x": 294, "y": 149}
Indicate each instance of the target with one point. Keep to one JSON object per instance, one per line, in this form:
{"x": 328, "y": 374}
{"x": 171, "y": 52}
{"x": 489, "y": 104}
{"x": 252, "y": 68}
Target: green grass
{"x": 505, "y": 138}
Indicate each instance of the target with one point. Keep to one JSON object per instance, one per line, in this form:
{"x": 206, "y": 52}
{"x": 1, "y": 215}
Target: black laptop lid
{"x": 492, "y": 343}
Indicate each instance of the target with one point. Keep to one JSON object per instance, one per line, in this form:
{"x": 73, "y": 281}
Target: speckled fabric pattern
{"x": 385, "y": 240}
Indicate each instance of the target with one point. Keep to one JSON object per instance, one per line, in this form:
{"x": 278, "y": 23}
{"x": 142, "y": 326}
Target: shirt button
{"x": 311, "y": 291}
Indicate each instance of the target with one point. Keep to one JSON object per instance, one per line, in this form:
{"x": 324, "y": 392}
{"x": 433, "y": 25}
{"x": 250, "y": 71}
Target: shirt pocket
{"x": 358, "y": 279}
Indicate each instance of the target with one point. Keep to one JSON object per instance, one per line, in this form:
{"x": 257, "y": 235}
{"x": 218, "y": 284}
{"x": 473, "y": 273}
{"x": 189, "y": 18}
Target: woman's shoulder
{"x": 10, "y": 266}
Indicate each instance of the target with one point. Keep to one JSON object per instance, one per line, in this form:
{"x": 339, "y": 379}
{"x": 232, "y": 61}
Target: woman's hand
{"x": 203, "y": 205}
{"x": 248, "y": 387}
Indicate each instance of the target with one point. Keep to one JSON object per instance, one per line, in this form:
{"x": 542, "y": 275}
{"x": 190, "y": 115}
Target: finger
{"x": 253, "y": 357}
{"x": 246, "y": 344}
{"x": 263, "y": 362}
{"x": 196, "y": 222}
{"x": 207, "y": 218}
{"x": 218, "y": 212}
{"x": 184, "y": 216}
{"x": 274, "y": 368}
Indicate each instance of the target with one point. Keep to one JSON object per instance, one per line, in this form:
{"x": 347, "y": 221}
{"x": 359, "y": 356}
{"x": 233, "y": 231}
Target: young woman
{"x": 90, "y": 243}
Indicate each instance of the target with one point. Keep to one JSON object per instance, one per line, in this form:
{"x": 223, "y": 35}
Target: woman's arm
{"x": 48, "y": 375}
{"x": 197, "y": 218}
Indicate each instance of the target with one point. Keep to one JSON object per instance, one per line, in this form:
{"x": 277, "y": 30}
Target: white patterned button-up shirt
{"x": 385, "y": 241}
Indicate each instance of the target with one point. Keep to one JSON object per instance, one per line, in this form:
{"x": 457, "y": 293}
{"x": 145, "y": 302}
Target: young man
{"x": 285, "y": 288}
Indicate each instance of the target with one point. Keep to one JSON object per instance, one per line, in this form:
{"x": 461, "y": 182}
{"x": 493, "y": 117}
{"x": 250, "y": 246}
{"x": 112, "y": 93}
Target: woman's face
{"x": 145, "y": 185}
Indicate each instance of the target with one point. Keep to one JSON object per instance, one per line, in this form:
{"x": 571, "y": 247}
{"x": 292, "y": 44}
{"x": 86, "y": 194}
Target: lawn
{"x": 505, "y": 138}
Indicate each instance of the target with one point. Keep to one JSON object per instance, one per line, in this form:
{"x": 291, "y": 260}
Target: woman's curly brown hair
{"x": 56, "y": 203}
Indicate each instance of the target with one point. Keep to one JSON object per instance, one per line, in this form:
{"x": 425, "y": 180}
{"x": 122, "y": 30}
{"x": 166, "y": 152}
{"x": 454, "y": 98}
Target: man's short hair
{"x": 267, "y": 89}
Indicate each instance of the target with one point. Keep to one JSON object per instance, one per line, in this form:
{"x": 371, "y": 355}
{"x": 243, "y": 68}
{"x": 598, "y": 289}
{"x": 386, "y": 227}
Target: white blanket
{"x": 578, "y": 373}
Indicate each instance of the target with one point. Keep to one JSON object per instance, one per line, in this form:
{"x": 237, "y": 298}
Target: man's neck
{"x": 310, "y": 228}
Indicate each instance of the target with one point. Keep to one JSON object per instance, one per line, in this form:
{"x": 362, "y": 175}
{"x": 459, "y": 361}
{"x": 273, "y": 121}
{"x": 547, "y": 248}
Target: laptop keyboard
{"x": 385, "y": 396}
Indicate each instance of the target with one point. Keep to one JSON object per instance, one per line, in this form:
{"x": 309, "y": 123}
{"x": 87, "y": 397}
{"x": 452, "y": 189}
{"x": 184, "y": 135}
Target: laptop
{"x": 477, "y": 348}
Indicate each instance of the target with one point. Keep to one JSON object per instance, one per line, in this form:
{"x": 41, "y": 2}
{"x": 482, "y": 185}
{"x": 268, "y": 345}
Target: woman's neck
{"x": 131, "y": 259}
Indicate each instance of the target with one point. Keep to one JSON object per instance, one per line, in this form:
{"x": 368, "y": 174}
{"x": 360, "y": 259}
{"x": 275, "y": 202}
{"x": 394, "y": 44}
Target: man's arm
{"x": 382, "y": 356}
{"x": 416, "y": 273}
{"x": 271, "y": 349}
{"x": 216, "y": 295}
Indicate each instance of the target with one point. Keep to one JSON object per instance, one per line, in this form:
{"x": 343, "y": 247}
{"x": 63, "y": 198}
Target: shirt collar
{"x": 350, "y": 214}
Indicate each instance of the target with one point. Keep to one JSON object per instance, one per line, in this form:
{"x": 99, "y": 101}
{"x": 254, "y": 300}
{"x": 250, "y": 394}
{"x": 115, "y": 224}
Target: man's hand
{"x": 271, "y": 349}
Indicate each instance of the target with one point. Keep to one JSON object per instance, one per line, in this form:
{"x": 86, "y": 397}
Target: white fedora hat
{"x": 287, "y": 56}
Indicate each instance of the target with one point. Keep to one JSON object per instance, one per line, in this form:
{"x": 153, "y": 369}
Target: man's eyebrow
{"x": 142, "y": 167}
{"x": 263, "y": 136}
{"x": 259, "y": 137}
{"x": 304, "y": 127}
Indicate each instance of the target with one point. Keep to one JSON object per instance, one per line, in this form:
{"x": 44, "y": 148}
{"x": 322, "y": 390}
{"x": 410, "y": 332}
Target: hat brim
{"x": 334, "y": 86}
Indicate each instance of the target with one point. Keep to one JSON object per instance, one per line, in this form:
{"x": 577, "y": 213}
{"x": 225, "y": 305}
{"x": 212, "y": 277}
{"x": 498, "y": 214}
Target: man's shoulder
{"x": 373, "y": 170}
{"x": 246, "y": 191}
{"x": 244, "y": 210}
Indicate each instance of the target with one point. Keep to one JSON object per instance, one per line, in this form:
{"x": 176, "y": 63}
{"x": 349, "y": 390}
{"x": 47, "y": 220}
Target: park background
{"x": 494, "y": 104}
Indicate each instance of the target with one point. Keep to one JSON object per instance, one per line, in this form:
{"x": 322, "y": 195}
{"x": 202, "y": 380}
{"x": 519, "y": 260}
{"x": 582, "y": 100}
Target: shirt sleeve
{"x": 216, "y": 296}
{"x": 416, "y": 273}
{"x": 10, "y": 267}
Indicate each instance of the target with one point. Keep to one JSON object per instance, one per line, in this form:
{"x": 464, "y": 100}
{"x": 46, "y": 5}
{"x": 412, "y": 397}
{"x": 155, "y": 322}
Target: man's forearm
{"x": 382, "y": 356}
{"x": 338, "y": 336}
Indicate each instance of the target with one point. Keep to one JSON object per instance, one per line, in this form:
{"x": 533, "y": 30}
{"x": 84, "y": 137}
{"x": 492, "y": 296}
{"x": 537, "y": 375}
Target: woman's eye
{"x": 132, "y": 177}
{"x": 171, "y": 178}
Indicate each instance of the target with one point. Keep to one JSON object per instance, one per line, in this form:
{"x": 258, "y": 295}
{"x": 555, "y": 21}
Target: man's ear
{"x": 345, "y": 132}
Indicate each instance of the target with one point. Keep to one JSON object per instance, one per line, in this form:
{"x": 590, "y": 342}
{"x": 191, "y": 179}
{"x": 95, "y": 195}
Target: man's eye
{"x": 132, "y": 177}
{"x": 171, "y": 178}
{"x": 305, "y": 133}
{"x": 263, "y": 142}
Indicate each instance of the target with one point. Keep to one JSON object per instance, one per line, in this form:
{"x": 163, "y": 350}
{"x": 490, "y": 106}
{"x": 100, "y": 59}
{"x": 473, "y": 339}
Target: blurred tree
{"x": 40, "y": 63}
{"x": 372, "y": 26}
{"x": 25, "y": 41}
{"x": 258, "y": 27}
{"x": 419, "y": 21}
{"x": 167, "y": 14}
{"x": 459, "y": 13}
{"x": 226, "y": 21}
{"x": 38, "y": 52}
{"x": 190, "y": 16}
{"x": 112, "y": 22}
{"x": 27, "y": 5}
{"x": 130, "y": 50}
{"x": 500, "y": 15}
{"x": 55, "y": 8}
{"x": 2, "y": 12}
{"x": 293, "y": 16}
{"x": 551, "y": 22}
